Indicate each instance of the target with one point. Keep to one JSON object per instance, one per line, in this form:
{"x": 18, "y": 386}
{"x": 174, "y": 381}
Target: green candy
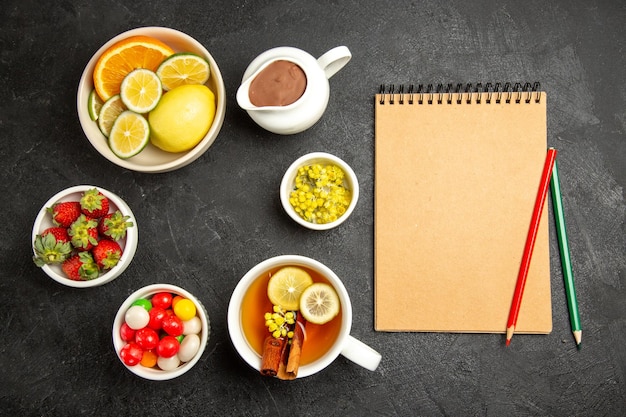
{"x": 142, "y": 302}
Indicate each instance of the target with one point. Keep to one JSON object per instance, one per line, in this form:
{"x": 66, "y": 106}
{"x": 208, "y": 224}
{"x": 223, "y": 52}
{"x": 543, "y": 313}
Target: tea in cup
{"x": 267, "y": 335}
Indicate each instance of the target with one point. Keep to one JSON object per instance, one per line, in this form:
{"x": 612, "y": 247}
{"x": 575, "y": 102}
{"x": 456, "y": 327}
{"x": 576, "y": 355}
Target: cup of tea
{"x": 322, "y": 343}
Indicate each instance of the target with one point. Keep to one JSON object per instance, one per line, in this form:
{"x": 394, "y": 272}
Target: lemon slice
{"x": 141, "y": 90}
{"x": 129, "y": 135}
{"x": 319, "y": 303}
{"x": 286, "y": 286}
{"x": 94, "y": 105}
{"x": 183, "y": 68}
{"x": 109, "y": 112}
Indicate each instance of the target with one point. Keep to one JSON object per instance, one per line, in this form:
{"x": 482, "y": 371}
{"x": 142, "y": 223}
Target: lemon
{"x": 109, "y": 112}
{"x": 182, "y": 118}
{"x": 319, "y": 303}
{"x": 141, "y": 90}
{"x": 183, "y": 68}
{"x": 94, "y": 105}
{"x": 286, "y": 286}
{"x": 129, "y": 135}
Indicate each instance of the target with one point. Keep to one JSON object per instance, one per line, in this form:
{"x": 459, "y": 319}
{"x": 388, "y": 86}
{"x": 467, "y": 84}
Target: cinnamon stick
{"x": 272, "y": 358}
{"x": 295, "y": 351}
{"x": 289, "y": 367}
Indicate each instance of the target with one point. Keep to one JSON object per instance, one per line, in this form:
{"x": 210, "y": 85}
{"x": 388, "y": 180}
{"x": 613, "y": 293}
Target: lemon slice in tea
{"x": 129, "y": 135}
{"x": 183, "y": 68}
{"x": 141, "y": 90}
{"x": 319, "y": 303}
{"x": 286, "y": 286}
{"x": 109, "y": 112}
{"x": 94, "y": 105}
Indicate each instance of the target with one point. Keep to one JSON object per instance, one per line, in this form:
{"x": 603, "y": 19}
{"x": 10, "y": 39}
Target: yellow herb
{"x": 319, "y": 194}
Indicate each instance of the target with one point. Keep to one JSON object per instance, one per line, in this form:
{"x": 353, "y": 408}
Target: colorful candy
{"x": 189, "y": 347}
{"x": 161, "y": 332}
{"x": 172, "y": 325}
{"x": 192, "y": 326}
{"x": 137, "y": 317}
{"x": 185, "y": 309}
{"x": 131, "y": 354}
{"x": 162, "y": 300}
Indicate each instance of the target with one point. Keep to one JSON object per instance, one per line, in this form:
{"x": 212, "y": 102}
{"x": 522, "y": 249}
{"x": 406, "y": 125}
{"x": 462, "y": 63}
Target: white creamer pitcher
{"x": 307, "y": 110}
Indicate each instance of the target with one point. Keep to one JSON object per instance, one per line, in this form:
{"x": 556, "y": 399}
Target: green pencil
{"x": 568, "y": 275}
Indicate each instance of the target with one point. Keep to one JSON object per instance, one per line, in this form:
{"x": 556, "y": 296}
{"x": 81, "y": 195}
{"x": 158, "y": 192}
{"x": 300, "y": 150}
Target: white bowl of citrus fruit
{"x": 151, "y": 99}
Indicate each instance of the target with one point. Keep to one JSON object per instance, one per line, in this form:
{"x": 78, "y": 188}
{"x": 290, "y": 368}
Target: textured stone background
{"x": 202, "y": 227}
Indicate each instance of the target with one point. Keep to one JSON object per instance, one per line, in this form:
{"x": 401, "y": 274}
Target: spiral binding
{"x": 463, "y": 93}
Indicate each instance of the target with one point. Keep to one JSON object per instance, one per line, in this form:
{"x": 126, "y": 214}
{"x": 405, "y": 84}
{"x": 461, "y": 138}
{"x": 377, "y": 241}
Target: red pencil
{"x": 530, "y": 244}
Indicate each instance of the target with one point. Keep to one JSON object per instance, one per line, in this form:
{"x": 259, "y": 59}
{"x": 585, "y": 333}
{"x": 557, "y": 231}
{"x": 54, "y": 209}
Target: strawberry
{"x": 64, "y": 213}
{"x": 107, "y": 254}
{"x": 81, "y": 267}
{"x": 60, "y": 234}
{"x": 84, "y": 233}
{"x": 94, "y": 204}
{"x": 50, "y": 249}
{"x": 114, "y": 225}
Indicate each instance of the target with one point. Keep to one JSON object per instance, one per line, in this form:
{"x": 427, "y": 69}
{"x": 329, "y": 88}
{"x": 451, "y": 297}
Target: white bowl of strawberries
{"x": 84, "y": 236}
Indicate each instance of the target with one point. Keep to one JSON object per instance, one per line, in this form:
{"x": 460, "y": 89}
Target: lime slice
{"x": 109, "y": 112}
{"x": 94, "y": 104}
{"x": 129, "y": 135}
{"x": 183, "y": 68}
{"x": 319, "y": 303}
{"x": 286, "y": 286}
{"x": 141, "y": 90}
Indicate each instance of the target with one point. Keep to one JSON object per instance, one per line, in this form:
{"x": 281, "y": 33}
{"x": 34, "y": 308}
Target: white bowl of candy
{"x": 160, "y": 332}
{"x": 84, "y": 236}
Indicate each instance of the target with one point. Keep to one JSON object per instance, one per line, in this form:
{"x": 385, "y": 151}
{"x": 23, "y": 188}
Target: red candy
{"x": 172, "y": 325}
{"x": 167, "y": 347}
{"x": 126, "y": 333}
{"x": 162, "y": 300}
{"x": 131, "y": 354}
{"x": 147, "y": 338}
{"x": 156, "y": 318}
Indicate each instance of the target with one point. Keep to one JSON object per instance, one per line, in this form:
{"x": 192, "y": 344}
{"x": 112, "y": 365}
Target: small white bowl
{"x": 288, "y": 183}
{"x": 153, "y": 159}
{"x": 147, "y": 292}
{"x": 128, "y": 243}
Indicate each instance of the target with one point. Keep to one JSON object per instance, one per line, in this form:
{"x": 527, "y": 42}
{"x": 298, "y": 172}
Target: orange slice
{"x": 123, "y": 57}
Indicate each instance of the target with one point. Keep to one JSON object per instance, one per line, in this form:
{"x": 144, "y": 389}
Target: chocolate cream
{"x": 279, "y": 84}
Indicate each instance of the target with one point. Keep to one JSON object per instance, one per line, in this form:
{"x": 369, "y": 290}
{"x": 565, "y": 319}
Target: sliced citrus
{"x": 94, "y": 104}
{"x": 183, "y": 68}
{"x": 286, "y": 286}
{"x": 319, "y": 303}
{"x": 109, "y": 112}
{"x": 141, "y": 90}
{"x": 129, "y": 135}
{"x": 124, "y": 56}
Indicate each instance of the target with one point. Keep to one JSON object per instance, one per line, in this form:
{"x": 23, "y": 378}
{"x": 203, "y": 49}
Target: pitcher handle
{"x": 334, "y": 60}
{"x": 361, "y": 354}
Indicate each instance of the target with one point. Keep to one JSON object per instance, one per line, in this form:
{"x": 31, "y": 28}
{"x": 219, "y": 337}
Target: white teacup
{"x": 344, "y": 344}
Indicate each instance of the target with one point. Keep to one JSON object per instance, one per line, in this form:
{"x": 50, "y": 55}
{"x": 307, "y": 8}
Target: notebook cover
{"x": 455, "y": 186}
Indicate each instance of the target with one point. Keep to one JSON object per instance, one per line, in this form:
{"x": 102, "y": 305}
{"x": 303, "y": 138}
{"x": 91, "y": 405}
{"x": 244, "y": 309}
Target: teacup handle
{"x": 334, "y": 60}
{"x": 361, "y": 354}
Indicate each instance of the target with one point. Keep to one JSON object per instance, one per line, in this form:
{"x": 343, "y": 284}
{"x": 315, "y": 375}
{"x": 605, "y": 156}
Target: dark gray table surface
{"x": 202, "y": 227}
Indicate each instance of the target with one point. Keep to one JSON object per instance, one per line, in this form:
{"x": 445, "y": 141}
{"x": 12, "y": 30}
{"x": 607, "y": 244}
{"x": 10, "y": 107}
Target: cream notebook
{"x": 456, "y": 176}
